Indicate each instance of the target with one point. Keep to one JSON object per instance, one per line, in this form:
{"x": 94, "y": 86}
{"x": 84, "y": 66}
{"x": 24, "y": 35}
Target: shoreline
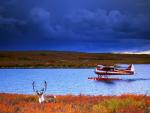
{"x": 48, "y": 67}
{"x": 57, "y": 67}
{"x": 7, "y": 93}
{"x": 90, "y": 95}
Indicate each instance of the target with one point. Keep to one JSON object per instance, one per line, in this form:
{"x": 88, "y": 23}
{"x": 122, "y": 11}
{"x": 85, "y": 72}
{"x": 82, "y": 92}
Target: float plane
{"x": 104, "y": 72}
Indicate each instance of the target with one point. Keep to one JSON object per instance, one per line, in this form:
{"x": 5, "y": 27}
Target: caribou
{"x": 40, "y": 94}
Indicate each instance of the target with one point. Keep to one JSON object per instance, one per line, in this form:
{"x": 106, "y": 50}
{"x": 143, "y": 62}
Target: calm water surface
{"x": 73, "y": 81}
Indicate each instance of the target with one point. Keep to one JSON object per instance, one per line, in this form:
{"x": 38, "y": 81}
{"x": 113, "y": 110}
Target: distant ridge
{"x": 134, "y": 52}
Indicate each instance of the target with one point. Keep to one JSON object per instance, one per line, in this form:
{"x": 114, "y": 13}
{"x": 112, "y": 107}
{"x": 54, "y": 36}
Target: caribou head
{"x": 40, "y": 93}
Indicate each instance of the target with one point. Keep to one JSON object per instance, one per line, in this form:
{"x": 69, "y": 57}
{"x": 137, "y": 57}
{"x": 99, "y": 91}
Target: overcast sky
{"x": 75, "y": 25}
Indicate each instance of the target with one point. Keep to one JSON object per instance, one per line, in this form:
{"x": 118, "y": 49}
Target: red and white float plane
{"x": 104, "y": 71}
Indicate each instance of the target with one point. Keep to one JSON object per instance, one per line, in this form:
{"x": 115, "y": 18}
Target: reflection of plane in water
{"x": 104, "y": 71}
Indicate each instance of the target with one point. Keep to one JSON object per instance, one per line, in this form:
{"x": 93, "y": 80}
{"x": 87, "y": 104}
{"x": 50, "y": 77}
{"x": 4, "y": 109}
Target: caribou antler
{"x": 43, "y": 89}
{"x": 33, "y": 85}
{"x": 45, "y": 84}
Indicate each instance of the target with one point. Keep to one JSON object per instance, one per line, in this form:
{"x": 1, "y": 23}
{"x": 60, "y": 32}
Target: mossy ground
{"x": 19, "y": 103}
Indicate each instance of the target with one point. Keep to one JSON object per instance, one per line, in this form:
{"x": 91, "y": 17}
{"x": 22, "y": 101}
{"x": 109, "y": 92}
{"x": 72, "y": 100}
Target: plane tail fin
{"x": 131, "y": 67}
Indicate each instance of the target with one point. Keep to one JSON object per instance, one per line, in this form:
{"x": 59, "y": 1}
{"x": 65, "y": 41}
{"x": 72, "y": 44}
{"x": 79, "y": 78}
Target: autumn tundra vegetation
{"x": 20, "y": 103}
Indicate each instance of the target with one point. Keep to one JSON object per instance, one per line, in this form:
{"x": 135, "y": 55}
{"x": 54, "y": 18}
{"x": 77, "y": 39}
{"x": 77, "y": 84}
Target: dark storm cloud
{"x": 9, "y": 29}
{"x": 111, "y": 28}
{"x": 113, "y": 21}
{"x": 86, "y": 24}
{"x": 92, "y": 24}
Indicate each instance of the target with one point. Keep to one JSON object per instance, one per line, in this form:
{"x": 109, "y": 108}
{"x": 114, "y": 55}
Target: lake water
{"x": 73, "y": 81}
